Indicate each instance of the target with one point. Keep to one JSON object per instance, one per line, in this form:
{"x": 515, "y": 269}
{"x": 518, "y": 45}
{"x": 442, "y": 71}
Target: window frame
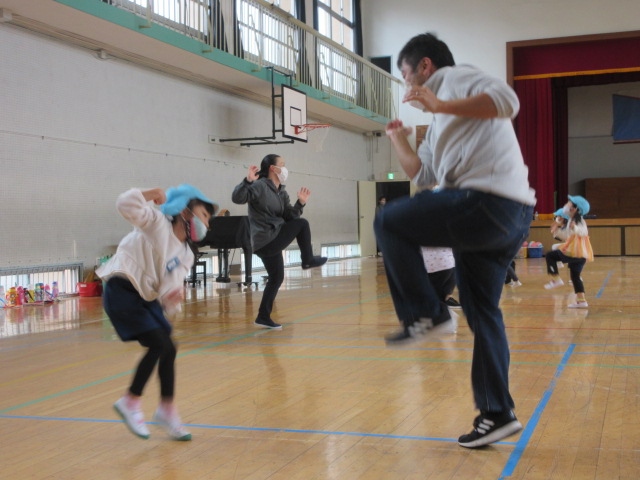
{"x": 355, "y": 25}
{"x": 282, "y": 60}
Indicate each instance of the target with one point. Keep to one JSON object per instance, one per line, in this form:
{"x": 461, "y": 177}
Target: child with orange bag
{"x": 575, "y": 251}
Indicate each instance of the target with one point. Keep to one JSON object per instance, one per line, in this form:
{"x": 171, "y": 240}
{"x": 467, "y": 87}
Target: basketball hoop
{"x": 307, "y": 127}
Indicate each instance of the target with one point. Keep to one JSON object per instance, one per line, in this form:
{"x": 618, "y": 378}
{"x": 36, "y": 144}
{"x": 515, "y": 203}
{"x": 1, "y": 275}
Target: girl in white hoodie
{"x": 144, "y": 284}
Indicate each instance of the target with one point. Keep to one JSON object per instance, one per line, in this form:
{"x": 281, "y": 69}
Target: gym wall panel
{"x": 76, "y": 131}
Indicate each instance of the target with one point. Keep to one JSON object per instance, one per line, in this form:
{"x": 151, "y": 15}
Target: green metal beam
{"x": 163, "y": 34}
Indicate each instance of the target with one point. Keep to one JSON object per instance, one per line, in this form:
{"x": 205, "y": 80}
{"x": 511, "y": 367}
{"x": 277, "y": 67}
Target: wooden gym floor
{"x": 323, "y": 398}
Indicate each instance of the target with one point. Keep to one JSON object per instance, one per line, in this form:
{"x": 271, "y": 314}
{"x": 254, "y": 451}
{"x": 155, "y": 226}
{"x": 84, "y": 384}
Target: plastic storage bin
{"x": 90, "y": 289}
{"x": 535, "y": 252}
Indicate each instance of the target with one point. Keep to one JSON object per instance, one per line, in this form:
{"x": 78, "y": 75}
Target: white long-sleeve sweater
{"x": 472, "y": 153}
{"x": 151, "y": 257}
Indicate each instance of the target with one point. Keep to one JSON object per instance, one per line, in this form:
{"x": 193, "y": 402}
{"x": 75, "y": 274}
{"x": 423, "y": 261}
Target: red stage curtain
{"x": 535, "y": 130}
{"x": 568, "y": 58}
{"x": 544, "y": 101}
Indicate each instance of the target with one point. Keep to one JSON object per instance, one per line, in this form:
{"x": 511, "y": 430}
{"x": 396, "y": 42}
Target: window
{"x": 267, "y": 37}
{"x": 338, "y": 72}
{"x": 287, "y": 5}
{"x": 187, "y": 16}
{"x": 336, "y": 19}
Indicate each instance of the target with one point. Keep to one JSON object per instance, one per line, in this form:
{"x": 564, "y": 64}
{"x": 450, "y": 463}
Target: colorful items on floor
{"x": 40, "y": 294}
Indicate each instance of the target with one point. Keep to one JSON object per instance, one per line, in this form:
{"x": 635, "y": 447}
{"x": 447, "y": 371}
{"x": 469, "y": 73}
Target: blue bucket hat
{"x": 560, "y": 213}
{"x": 581, "y": 203}
{"x": 179, "y": 197}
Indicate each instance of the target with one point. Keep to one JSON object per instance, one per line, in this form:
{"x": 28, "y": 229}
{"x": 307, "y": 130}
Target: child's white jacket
{"x": 151, "y": 257}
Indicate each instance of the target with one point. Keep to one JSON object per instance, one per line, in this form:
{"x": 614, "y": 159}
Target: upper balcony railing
{"x": 265, "y": 35}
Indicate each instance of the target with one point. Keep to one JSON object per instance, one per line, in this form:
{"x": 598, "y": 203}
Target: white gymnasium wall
{"x": 592, "y": 153}
{"x": 76, "y": 131}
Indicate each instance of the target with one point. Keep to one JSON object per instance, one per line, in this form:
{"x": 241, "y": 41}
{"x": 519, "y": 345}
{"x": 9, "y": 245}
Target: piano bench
{"x": 194, "y": 273}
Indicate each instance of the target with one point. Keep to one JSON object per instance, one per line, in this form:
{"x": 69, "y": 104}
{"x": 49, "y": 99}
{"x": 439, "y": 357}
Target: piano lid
{"x": 228, "y": 232}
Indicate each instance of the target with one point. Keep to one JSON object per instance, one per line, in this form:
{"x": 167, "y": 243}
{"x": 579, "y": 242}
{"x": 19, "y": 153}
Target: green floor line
{"x": 432, "y": 360}
{"x": 199, "y": 350}
{"x": 337, "y": 357}
{"x": 264, "y": 331}
{"x": 601, "y": 366}
{"x": 59, "y": 394}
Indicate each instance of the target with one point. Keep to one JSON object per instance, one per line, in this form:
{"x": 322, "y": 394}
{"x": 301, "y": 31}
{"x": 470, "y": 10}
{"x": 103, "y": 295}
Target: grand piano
{"x": 225, "y": 233}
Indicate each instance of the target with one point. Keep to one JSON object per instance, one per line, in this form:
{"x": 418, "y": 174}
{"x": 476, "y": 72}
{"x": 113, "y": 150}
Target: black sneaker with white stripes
{"x": 452, "y": 303}
{"x": 424, "y": 330}
{"x": 489, "y": 428}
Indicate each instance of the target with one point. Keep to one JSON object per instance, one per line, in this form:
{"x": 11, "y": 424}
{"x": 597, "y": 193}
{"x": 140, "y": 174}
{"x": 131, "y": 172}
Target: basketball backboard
{"x": 294, "y": 118}
{"x": 294, "y": 113}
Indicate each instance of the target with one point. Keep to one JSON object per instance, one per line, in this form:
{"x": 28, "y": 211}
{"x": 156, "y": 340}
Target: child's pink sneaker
{"x": 579, "y": 305}
{"x": 171, "y": 424}
{"x": 554, "y": 284}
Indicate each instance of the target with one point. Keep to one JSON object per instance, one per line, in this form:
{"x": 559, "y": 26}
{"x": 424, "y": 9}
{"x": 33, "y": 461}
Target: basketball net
{"x": 319, "y": 137}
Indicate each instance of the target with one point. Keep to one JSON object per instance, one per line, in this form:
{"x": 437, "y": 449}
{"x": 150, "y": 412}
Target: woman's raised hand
{"x": 303, "y": 195}
{"x": 252, "y": 175}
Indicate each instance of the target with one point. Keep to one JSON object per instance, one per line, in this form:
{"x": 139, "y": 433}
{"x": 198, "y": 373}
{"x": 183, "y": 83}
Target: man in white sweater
{"x": 482, "y": 210}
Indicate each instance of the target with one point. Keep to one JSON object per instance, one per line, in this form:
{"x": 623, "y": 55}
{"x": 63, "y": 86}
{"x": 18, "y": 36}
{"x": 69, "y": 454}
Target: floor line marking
{"x": 417, "y": 349}
{"x": 265, "y": 331}
{"x": 59, "y": 394}
{"x": 38, "y": 343}
{"x": 604, "y": 284}
{"x": 254, "y": 429}
{"x": 433, "y": 360}
{"x": 59, "y": 369}
{"x": 517, "y": 452}
{"x": 199, "y": 350}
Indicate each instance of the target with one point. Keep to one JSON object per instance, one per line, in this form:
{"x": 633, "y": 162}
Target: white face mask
{"x": 283, "y": 174}
{"x": 567, "y": 210}
{"x": 197, "y": 228}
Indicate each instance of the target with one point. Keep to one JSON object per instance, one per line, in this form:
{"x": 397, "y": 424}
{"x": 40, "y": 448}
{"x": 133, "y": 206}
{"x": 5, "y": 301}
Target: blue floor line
{"x": 604, "y": 284}
{"x": 254, "y": 429}
{"x": 515, "y": 456}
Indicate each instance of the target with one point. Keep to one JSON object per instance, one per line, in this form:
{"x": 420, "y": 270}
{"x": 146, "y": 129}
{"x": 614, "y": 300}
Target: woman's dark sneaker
{"x": 315, "y": 262}
{"x": 267, "y": 324}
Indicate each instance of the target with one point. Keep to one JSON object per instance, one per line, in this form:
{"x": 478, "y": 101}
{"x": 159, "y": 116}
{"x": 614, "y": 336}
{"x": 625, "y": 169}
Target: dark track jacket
{"x": 269, "y": 209}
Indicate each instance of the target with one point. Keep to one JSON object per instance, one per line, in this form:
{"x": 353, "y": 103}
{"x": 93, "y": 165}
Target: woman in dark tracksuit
{"x": 274, "y": 223}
